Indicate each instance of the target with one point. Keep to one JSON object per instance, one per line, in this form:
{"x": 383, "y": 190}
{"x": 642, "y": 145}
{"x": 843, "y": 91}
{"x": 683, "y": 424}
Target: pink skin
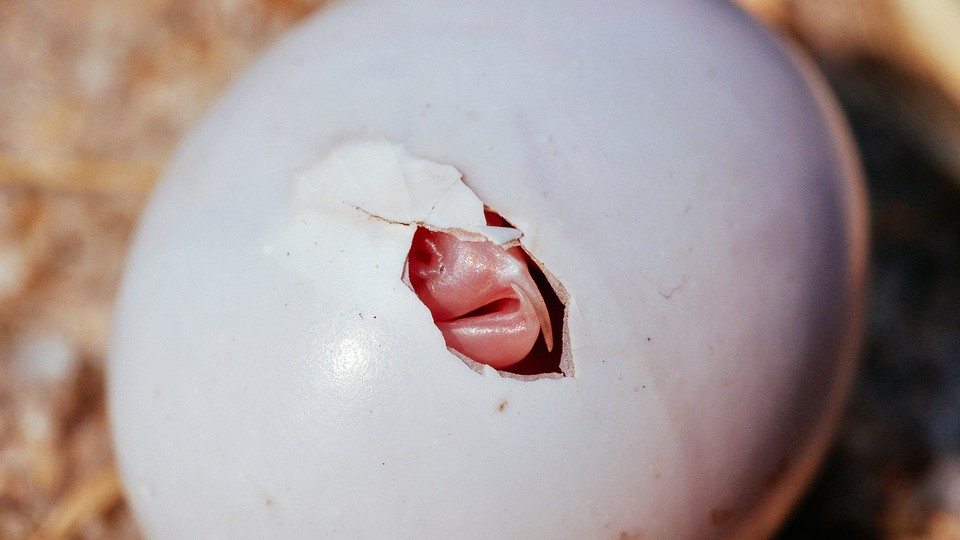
{"x": 482, "y": 297}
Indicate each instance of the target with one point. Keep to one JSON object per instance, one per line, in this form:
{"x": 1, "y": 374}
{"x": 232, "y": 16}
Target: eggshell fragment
{"x": 272, "y": 376}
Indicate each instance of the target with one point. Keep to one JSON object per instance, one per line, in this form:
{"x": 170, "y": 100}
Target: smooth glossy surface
{"x": 273, "y": 377}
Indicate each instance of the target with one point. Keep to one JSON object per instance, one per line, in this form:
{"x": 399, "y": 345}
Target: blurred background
{"x": 95, "y": 94}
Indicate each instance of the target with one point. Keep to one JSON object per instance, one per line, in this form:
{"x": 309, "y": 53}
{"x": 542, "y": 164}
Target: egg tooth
{"x": 529, "y": 287}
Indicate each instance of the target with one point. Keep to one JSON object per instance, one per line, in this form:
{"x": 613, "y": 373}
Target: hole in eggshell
{"x": 500, "y": 326}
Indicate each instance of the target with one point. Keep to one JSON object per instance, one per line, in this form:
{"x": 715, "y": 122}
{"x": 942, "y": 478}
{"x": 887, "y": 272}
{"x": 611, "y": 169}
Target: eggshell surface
{"x": 688, "y": 185}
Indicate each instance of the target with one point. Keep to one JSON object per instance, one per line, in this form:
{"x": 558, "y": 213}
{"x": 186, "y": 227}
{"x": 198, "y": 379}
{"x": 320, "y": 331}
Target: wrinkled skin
{"x": 482, "y": 297}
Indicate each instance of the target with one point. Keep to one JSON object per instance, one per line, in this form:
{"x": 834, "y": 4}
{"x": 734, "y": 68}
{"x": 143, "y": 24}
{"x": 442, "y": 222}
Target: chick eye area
{"x": 425, "y": 253}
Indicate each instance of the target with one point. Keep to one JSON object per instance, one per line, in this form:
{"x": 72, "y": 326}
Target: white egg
{"x": 667, "y": 163}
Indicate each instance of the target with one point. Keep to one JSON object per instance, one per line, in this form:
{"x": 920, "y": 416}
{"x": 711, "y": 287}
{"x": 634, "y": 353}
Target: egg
{"x": 681, "y": 182}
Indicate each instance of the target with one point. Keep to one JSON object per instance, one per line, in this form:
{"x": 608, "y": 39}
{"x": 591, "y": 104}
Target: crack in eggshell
{"x": 387, "y": 183}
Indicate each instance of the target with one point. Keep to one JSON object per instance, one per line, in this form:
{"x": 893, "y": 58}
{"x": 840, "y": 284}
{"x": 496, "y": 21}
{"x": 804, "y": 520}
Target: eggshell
{"x": 667, "y": 162}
